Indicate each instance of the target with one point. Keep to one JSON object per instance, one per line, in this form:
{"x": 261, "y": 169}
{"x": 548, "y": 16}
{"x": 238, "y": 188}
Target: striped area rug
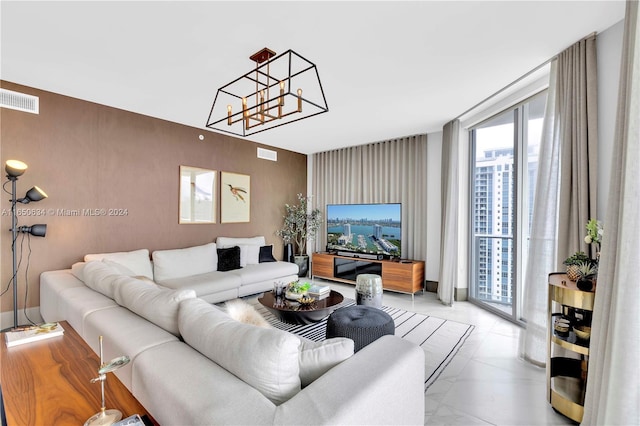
{"x": 441, "y": 339}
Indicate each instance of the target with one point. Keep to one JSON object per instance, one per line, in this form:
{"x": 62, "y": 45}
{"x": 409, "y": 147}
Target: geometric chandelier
{"x": 280, "y": 90}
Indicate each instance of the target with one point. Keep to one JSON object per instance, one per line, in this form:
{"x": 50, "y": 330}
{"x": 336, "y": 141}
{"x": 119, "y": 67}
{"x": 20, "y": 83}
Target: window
{"x": 504, "y": 163}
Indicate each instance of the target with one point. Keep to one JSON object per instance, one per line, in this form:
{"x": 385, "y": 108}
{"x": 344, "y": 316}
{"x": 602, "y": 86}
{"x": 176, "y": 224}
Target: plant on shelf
{"x": 594, "y": 235}
{"x": 587, "y": 272}
{"x": 573, "y": 262}
{"x": 300, "y": 227}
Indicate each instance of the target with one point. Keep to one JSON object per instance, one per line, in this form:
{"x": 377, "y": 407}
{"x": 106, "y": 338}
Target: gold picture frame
{"x": 235, "y": 198}
{"x": 197, "y": 195}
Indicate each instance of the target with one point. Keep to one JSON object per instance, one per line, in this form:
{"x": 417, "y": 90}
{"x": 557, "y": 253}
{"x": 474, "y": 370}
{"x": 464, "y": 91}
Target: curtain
{"x": 613, "y": 391}
{"x": 578, "y": 118}
{"x": 565, "y": 196}
{"x": 542, "y": 243}
{"x": 393, "y": 171}
{"x": 450, "y": 189}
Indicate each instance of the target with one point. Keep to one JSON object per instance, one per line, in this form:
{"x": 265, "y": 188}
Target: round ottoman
{"x": 362, "y": 324}
{"x": 369, "y": 290}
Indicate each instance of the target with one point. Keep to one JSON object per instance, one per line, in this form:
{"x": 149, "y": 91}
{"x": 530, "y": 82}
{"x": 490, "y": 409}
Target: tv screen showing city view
{"x": 365, "y": 228}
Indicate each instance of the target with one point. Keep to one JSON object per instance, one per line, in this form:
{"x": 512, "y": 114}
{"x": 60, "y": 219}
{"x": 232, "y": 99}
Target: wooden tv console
{"x": 404, "y": 276}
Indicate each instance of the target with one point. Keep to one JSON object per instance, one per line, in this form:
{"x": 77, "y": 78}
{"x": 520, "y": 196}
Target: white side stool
{"x": 369, "y": 290}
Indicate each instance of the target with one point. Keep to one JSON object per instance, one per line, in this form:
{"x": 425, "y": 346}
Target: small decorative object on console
{"x": 296, "y": 290}
{"x": 33, "y": 334}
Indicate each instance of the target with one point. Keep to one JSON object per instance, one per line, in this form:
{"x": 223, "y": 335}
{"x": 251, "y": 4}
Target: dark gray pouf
{"x": 362, "y": 324}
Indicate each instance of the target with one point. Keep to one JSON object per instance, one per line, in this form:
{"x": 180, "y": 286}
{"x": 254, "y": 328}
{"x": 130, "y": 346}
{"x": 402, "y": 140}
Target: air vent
{"x": 19, "y": 101}
{"x": 267, "y": 154}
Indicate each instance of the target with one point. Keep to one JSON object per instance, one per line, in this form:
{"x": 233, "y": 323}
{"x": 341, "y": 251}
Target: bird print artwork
{"x": 237, "y": 192}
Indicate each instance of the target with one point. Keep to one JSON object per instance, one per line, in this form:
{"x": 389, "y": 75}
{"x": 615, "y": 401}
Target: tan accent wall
{"x": 90, "y": 156}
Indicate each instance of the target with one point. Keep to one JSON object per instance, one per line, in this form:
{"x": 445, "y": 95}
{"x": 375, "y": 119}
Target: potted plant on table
{"x": 573, "y": 263}
{"x": 300, "y": 227}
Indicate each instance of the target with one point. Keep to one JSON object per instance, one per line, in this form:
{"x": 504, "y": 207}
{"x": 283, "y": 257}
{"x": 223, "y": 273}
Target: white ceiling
{"x": 388, "y": 69}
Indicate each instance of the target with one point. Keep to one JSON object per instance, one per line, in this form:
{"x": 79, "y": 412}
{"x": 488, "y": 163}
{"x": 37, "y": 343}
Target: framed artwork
{"x": 235, "y": 198}
{"x": 197, "y": 195}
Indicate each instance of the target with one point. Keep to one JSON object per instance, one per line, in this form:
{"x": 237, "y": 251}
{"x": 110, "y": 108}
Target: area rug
{"x": 439, "y": 338}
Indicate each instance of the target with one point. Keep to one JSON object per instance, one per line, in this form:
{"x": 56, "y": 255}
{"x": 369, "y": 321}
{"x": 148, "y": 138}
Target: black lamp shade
{"x": 14, "y": 168}
{"x": 34, "y": 194}
{"x": 39, "y": 230}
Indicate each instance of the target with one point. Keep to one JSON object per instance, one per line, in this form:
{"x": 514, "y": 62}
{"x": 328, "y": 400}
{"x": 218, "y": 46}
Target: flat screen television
{"x": 374, "y": 229}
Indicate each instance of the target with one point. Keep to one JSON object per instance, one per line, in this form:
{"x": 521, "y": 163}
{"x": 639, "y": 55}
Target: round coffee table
{"x": 292, "y": 312}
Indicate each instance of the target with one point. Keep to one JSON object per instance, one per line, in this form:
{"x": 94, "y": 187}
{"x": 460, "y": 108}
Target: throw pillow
{"x": 155, "y": 304}
{"x": 138, "y": 260}
{"x": 243, "y": 312}
{"x": 265, "y": 358}
{"x": 266, "y": 254}
{"x": 184, "y": 262}
{"x": 228, "y": 258}
{"x": 316, "y": 358}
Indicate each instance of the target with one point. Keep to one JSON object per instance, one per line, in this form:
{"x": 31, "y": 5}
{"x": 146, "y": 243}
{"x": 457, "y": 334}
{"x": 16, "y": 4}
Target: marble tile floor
{"x": 486, "y": 383}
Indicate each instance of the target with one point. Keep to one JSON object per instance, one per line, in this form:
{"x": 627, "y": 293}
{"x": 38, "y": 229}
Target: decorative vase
{"x": 573, "y": 273}
{"x": 303, "y": 264}
{"x": 585, "y": 284}
{"x": 287, "y": 255}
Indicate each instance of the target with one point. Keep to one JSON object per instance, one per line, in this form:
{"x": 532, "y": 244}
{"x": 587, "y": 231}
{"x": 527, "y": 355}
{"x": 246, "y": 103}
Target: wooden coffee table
{"x": 48, "y": 382}
{"x": 293, "y": 312}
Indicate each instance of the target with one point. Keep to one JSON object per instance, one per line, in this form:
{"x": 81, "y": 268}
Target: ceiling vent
{"x": 20, "y": 101}
{"x": 267, "y": 154}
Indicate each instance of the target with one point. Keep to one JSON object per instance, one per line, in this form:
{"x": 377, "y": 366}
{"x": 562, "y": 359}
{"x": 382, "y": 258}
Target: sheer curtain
{"x": 565, "y": 191}
{"x": 450, "y": 189}
{"x": 393, "y": 171}
{"x": 613, "y": 391}
{"x": 542, "y": 243}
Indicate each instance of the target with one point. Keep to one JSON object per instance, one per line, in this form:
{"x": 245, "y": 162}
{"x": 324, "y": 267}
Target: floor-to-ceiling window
{"x": 504, "y": 163}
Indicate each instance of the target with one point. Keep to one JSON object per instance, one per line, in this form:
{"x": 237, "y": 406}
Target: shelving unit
{"x": 568, "y": 355}
{"x": 406, "y": 276}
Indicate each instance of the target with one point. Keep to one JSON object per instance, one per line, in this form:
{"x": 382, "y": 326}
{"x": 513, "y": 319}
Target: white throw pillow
{"x": 249, "y": 248}
{"x": 157, "y": 305}
{"x": 243, "y": 312}
{"x": 138, "y": 260}
{"x": 316, "y": 358}
{"x": 265, "y": 358}
{"x": 77, "y": 269}
{"x": 99, "y": 276}
{"x": 184, "y": 262}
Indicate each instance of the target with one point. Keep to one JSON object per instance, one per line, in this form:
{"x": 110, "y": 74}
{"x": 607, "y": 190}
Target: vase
{"x": 303, "y": 264}
{"x": 287, "y": 255}
{"x": 585, "y": 284}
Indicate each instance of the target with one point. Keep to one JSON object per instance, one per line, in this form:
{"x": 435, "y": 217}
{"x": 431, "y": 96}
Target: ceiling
{"x": 388, "y": 68}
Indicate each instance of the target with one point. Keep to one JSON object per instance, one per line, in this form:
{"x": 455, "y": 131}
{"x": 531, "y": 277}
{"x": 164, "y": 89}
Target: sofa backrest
{"x": 184, "y": 262}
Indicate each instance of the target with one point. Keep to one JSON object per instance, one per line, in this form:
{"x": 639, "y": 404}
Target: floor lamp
{"x": 14, "y": 169}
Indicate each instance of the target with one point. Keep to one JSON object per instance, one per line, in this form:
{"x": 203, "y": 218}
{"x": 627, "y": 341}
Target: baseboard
{"x": 6, "y": 318}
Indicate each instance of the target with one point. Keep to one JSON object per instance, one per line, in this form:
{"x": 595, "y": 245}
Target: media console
{"x": 404, "y": 276}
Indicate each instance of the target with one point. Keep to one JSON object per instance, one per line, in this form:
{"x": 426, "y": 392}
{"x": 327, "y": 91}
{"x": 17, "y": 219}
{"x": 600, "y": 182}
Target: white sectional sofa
{"x": 192, "y": 364}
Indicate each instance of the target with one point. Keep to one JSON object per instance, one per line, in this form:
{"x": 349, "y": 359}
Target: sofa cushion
{"x": 228, "y": 258}
{"x": 266, "y": 271}
{"x": 184, "y": 262}
{"x": 266, "y": 254}
{"x": 316, "y": 358}
{"x": 138, "y": 260}
{"x": 157, "y": 305}
{"x": 265, "y": 358}
{"x": 99, "y": 276}
{"x": 249, "y": 248}
{"x": 203, "y": 284}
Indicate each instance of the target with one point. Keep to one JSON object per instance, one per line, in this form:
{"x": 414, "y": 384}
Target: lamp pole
{"x": 14, "y": 237}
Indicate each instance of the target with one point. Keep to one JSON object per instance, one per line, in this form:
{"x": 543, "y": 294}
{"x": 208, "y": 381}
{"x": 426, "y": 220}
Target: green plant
{"x": 300, "y": 224}
{"x": 587, "y": 269}
{"x": 594, "y": 232}
{"x": 577, "y": 258}
{"x": 298, "y": 287}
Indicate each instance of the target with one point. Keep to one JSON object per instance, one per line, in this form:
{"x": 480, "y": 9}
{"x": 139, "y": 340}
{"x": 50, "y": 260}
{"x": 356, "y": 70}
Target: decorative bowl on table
{"x": 582, "y": 331}
{"x": 294, "y": 296}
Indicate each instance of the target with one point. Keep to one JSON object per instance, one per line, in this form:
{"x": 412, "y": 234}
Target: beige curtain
{"x": 613, "y": 384}
{"x": 393, "y": 171}
{"x": 577, "y": 117}
{"x": 570, "y": 149}
{"x": 449, "y": 192}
